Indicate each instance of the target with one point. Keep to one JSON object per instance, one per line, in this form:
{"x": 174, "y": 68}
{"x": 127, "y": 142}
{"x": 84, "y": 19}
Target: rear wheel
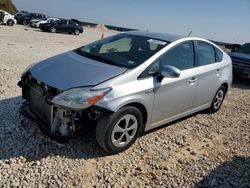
{"x": 117, "y": 132}
{"x": 77, "y": 32}
{"x": 53, "y": 29}
{"x": 10, "y": 22}
{"x": 218, "y": 100}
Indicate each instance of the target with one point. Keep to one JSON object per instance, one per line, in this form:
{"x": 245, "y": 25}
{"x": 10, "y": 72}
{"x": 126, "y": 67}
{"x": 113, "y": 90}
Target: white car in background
{"x": 49, "y": 20}
{"x": 7, "y": 18}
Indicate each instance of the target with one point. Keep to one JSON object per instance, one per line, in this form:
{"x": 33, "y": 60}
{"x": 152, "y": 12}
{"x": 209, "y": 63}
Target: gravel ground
{"x": 203, "y": 150}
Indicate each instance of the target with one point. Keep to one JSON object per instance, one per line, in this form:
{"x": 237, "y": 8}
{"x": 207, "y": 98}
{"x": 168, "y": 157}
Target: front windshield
{"x": 124, "y": 50}
{"x": 244, "y": 48}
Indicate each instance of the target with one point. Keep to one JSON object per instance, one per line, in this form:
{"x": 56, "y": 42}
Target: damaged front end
{"x": 59, "y": 113}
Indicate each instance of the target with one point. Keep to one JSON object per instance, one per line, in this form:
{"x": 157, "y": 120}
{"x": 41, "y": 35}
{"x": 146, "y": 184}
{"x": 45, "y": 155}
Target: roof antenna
{"x": 190, "y": 33}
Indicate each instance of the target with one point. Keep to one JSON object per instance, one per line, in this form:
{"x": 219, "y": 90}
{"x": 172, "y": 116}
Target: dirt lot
{"x": 204, "y": 150}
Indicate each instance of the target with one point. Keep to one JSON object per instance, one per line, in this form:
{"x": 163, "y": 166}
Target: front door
{"x": 175, "y": 96}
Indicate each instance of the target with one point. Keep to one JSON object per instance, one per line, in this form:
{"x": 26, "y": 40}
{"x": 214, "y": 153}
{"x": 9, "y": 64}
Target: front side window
{"x": 206, "y": 54}
{"x": 180, "y": 56}
{"x": 62, "y": 22}
{"x": 124, "y": 50}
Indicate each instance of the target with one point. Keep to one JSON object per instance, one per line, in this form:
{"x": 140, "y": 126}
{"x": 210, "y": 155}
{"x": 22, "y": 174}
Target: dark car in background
{"x": 18, "y": 15}
{"x": 25, "y": 19}
{"x": 62, "y": 26}
{"x": 241, "y": 61}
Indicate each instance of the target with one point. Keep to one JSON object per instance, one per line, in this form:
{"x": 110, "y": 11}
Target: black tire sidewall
{"x": 25, "y": 22}
{"x": 114, "y": 118}
{"x": 212, "y": 109}
{"x": 10, "y": 22}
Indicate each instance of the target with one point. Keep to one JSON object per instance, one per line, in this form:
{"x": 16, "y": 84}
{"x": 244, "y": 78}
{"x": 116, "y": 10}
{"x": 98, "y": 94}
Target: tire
{"x": 10, "y": 22}
{"x": 25, "y": 22}
{"x": 53, "y": 30}
{"x": 112, "y": 133}
{"x": 77, "y": 32}
{"x": 218, "y": 100}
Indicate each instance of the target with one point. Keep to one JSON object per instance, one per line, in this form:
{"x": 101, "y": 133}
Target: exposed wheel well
{"x": 226, "y": 86}
{"x": 143, "y": 111}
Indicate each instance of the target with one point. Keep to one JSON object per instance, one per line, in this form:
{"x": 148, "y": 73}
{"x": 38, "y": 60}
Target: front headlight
{"x": 79, "y": 98}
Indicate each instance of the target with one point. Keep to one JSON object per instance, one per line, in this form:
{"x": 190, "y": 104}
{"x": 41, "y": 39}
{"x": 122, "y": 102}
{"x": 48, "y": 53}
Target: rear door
{"x": 71, "y": 26}
{"x": 208, "y": 80}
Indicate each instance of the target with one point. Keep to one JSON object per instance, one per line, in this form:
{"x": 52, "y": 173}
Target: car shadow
{"x": 21, "y": 137}
{"x": 241, "y": 83}
{"x": 233, "y": 173}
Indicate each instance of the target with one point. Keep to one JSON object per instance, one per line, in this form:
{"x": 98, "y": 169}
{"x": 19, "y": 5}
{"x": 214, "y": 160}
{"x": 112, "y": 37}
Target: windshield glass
{"x": 244, "y": 48}
{"x": 124, "y": 50}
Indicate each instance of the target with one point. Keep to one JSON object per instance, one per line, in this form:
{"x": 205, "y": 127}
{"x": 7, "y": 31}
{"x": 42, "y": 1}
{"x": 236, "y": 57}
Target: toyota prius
{"x": 127, "y": 84}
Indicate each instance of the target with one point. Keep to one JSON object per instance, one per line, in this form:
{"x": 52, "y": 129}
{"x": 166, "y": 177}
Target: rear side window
{"x": 219, "y": 55}
{"x": 206, "y": 53}
{"x": 71, "y": 23}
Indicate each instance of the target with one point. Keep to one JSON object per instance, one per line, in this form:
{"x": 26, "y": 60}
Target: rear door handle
{"x": 217, "y": 72}
{"x": 192, "y": 81}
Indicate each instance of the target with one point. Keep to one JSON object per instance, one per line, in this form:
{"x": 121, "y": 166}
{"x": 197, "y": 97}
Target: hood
{"x": 240, "y": 56}
{"x": 70, "y": 70}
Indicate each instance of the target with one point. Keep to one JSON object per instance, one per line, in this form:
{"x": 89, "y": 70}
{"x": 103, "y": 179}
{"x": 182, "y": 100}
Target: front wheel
{"x": 218, "y": 100}
{"x": 10, "y": 22}
{"x": 117, "y": 132}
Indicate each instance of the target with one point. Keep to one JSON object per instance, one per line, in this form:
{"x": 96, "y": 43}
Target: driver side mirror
{"x": 170, "y": 71}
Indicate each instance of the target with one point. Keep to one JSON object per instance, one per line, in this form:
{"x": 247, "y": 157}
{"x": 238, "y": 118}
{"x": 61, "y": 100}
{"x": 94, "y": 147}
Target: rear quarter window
{"x": 219, "y": 55}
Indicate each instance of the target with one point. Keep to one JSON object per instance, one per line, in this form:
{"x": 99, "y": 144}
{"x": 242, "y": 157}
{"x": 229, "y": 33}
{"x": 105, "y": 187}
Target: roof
{"x": 159, "y": 36}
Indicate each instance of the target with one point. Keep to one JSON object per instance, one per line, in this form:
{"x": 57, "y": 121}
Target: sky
{"x": 221, "y": 20}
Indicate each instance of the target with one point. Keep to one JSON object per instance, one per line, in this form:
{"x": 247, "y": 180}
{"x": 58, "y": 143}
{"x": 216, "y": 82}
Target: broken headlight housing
{"x": 79, "y": 98}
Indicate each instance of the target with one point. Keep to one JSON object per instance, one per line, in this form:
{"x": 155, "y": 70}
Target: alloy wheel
{"x": 124, "y": 130}
{"x": 77, "y": 32}
{"x": 218, "y": 99}
{"x": 53, "y": 30}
